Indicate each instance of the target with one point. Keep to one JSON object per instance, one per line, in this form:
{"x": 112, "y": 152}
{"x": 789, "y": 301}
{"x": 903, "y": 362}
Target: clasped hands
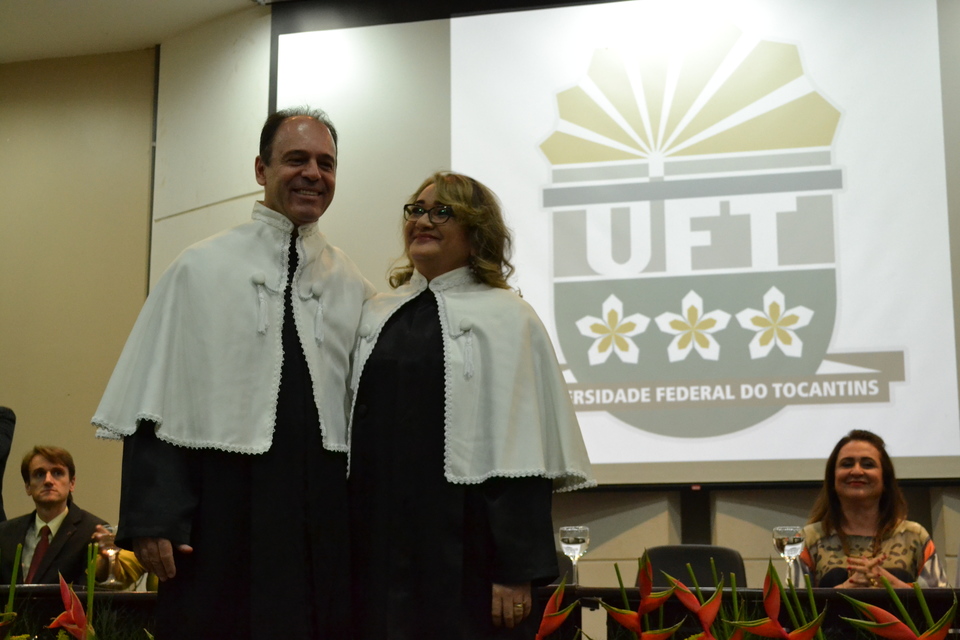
{"x": 866, "y": 572}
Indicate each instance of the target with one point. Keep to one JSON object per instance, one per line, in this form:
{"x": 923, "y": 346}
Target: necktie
{"x": 39, "y": 552}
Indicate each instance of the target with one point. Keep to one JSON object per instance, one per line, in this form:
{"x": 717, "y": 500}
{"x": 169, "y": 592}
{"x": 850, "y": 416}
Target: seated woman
{"x": 858, "y": 531}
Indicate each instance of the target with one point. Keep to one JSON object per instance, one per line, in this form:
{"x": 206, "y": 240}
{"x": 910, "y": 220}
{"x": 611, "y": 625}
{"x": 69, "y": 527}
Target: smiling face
{"x": 300, "y": 176}
{"x": 50, "y": 483}
{"x": 435, "y": 249}
{"x": 858, "y": 473}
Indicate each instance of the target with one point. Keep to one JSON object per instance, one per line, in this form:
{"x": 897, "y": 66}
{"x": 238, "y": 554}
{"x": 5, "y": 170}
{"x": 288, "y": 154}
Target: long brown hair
{"x": 477, "y": 208}
{"x": 893, "y": 506}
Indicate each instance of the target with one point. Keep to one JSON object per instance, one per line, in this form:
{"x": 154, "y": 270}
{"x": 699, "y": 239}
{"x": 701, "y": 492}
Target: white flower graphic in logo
{"x": 774, "y": 326}
{"x": 693, "y": 330}
{"x": 613, "y": 333}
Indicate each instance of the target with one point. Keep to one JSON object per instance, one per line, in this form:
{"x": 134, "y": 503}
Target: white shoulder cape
{"x": 508, "y": 412}
{"x": 203, "y": 360}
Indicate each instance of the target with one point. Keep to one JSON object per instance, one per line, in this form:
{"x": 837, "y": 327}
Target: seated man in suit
{"x": 56, "y": 535}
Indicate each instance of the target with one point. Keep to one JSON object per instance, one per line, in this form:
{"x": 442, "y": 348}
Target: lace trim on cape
{"x": 562, "y": 481}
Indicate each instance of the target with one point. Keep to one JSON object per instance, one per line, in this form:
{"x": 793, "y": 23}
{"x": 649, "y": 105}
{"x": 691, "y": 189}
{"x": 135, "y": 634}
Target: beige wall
{"x": 76, "y": 163}
{"x": 213, "y": 97}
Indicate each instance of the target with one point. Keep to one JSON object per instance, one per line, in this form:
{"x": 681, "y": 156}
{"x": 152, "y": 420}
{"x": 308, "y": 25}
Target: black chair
{"x": 673, "y": 559}
{"x": 566, "y": 568}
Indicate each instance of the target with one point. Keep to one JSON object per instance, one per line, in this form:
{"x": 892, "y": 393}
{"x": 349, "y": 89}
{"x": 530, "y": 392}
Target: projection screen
{"x": 731, "y": 216}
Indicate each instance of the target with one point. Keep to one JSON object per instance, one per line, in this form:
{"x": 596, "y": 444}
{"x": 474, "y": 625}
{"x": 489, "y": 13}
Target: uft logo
{"x": 693, "y": 206}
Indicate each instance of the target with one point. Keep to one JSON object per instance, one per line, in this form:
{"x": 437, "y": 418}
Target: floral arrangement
{"x": 719, "y": 623}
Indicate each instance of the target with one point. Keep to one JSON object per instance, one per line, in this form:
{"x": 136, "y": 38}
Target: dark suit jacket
{"x": 7, "y": 421}
{"x": 67, "y": 552}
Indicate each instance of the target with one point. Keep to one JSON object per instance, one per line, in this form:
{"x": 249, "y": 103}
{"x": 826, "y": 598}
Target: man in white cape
{"x": 230, "y": 395}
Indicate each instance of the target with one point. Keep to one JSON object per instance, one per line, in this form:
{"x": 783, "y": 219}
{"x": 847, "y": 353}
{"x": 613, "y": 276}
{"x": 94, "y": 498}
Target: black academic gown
{"x": 426, "y": 551}
{"x": 269, "y": 531}
{"x": 8, "y": 420}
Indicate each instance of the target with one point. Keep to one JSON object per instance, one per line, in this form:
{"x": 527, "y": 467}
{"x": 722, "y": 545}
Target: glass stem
{"x": 576, "y": 576}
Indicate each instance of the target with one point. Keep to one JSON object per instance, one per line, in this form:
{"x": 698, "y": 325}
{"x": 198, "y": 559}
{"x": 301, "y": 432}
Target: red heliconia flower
{"x": 552, "y": 616}
{"x": 660, "y": 634}
{"x": 649, "y": 601}
{"x": 765, "y": 628}
{"x": 73, "y": 619}
{"x": 645, "y": 575}
{"x": 768, "y": 628}
{"x": 706, "y": 612}
{"x": 886, "y": 625}
{"x": 807, "y": 631}
{"x": 771, "y": 595}
{"x": 940, "y": 630}
{"x": 630, "y": 620}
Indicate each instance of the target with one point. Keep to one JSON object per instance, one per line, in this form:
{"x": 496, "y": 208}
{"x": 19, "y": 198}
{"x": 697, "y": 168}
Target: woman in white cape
{"x": 462, "y": 429}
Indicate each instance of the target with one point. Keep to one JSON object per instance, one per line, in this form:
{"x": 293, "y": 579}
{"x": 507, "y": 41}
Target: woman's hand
{"x": 511, "y": 604}
{"x": 866, "y": 572}
{"x": 862, "y": 572}
{"x": 855, "y": 580}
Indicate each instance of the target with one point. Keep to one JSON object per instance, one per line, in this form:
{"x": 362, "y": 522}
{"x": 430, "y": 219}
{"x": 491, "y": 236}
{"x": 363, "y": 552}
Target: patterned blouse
{"x": 911, "y": 556}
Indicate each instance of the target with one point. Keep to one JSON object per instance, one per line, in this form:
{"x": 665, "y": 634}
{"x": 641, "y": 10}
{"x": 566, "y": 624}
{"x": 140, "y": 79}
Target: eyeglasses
{"x": 437, "y": 215}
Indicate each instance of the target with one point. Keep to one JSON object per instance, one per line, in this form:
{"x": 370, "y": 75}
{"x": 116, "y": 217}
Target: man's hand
{"x": 511, "y": 604}
{"x": 98, "y": 536}
{"x": 156, "y": 556}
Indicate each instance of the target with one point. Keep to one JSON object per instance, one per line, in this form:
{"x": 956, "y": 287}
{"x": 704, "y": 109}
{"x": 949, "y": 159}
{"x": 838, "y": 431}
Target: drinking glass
{"x": 574, "y": 542}
{"x": 108, "y": 547}
{"x": 788, "y": 541}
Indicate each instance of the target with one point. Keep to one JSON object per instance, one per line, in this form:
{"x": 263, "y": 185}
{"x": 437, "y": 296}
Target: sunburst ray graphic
{"x": 729, "y": 94}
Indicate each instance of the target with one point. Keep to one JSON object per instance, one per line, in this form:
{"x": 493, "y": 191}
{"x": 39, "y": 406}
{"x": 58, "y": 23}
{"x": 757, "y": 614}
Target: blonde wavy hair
{"x": 477, "y": 208}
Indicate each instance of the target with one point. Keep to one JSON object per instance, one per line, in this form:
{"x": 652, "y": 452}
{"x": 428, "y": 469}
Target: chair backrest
{"x": 673, "y": 559}
{"x": 566, "y": 568}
